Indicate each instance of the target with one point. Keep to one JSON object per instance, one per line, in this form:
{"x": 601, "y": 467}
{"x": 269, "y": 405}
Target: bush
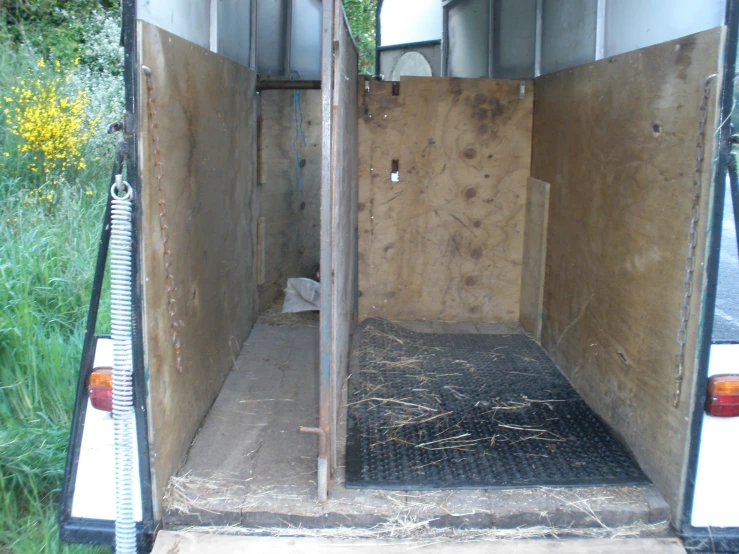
{"x": 54, "y": 28}
{"x": 361, "y": 16}
{"x": 47, "y": 257}
{"x": 53, "y": 126}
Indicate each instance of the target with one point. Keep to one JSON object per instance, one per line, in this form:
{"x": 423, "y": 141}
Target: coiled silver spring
{"x": 121, "y": 241}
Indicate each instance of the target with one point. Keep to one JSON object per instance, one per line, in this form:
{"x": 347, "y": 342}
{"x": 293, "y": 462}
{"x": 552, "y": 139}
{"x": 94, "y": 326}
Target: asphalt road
{"x": 726, "y": 323}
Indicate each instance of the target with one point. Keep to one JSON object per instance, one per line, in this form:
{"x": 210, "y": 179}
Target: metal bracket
{"x": 114, "y": 127}
{"x": 522, "y": 89}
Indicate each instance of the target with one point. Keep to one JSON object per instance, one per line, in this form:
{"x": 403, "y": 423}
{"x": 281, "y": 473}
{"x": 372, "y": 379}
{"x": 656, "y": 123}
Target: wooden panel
{"x": 207, "y": 122}
{"x": 445, "y": 242}
{"x": 616, "y": 141}
{"x": 292, "y": 216}
{"x": 196, "y": 543}
{"x": 534, "y": 256}
{"x": 344, "y": 208}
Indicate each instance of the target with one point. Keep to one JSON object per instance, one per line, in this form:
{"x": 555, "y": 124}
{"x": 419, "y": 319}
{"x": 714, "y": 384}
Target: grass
{"x": 47, "y": 260}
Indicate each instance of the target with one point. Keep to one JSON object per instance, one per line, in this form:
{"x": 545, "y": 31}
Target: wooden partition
{"x": 442, "y": 188}
{"x": 291, "y": 214}
{"x": 616, "y": 140}
{"x": 206, "y": 118}
{"x": 534, "y": 256}
{"x": 343, "y": 208}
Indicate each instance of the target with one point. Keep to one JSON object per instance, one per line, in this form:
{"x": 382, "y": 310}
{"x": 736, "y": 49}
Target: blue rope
{"x": 298, "y": 112}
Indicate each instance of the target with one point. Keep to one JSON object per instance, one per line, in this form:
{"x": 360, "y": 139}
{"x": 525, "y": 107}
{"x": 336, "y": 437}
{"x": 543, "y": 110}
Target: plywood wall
{"x": 206, "y": 115}
{"x": 444, "y": 242}
{"x": 616, "y": 140}
{"x": 291, "y": 216}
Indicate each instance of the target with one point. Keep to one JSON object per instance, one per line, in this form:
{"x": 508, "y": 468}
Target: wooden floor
{"x": 249, "y": 466}
{"x": 187, "y": 543}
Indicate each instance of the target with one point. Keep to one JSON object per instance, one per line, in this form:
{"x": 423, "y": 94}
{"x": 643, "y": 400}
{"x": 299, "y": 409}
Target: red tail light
{"x": 101, "y": 389}
{"x": 723, "y": 396}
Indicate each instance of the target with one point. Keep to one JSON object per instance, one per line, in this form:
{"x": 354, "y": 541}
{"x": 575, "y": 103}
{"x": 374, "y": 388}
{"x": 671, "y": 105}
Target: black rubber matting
{"x": 445, "y": 411}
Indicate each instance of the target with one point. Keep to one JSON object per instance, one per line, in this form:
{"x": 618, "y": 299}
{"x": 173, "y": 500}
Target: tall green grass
{"x": 47, "y": 261}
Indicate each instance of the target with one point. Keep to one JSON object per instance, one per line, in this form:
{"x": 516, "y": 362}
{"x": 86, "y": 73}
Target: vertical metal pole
{"x": 327, "y": 82}
{"x": 288, "y": 35}
{"x": 214, "y": 25}
{"x": 491, "y": 36}
{"x": 445, "y": 41}
{"x": 600, "y": 30}
{"x": 734, "y": 185}
{"x": 378, "y": 36}
{"x": 253, "y": 36}
{"x": 537, "y": 48}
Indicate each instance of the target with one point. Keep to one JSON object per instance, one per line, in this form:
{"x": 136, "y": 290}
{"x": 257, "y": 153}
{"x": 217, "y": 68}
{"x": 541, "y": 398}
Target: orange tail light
{"x": 101, "y": 389}
{"x": 723, "y": 396}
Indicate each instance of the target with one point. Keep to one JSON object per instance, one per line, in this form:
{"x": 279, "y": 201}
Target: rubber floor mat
{"x": 445, "y": 411}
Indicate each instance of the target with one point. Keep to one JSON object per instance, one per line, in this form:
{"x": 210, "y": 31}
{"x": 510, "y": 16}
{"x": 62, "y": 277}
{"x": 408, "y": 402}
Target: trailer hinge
{"x": 124, "y": 124}
{"x": 114, "y": 127}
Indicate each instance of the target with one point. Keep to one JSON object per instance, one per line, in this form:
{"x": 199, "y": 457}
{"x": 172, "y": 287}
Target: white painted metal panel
{"x": 234, "y": 30}
{"x": 632, "y": 24}
{"x": 404, "y": 21}
{"x": 468, "y": 39}
{"x": 568, "y": 33}
{"x": 716, "y": 500}
{"x": 514, "y": 39}
{"x": 305, "y": 39}
{"x": 94, "y": 486}
{"x": 271, "y": 27}
{"x": 189, "y": 19}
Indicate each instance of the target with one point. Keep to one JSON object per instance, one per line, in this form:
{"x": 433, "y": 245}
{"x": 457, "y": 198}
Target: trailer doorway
{"x": 470, "y": 146}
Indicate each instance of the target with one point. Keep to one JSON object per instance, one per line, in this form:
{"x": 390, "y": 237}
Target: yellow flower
{"x": 54, "y": 127}
{"x": 88, "y": 192}
{"x": 40, "y": 64}
{"x": 6, "y": 154}
{"x": 76, "y": 61}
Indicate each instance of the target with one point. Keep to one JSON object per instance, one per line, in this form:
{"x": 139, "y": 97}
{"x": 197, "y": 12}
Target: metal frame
{"x": 407, "y": 45}
{"x": 445, "y": 6}
{"x": 287, "y": 73}
{"x": 444, "y": 41}
{"x": 213, "y": 39}
{"x": 253, "y": 36}
{"x": 734, "y": 185}
{"x": 600, "y": 30}
{"x": 719, "y": 539}
{"x": 538, "y": 34}
{"x": 325, "y": 337}
{"x": 404, "y": 46}
{"x": 491, "y": 38}
{"x": 95, "y": 531}
{"x": 378, "y": 36}
{"x": 288, "y": 35}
